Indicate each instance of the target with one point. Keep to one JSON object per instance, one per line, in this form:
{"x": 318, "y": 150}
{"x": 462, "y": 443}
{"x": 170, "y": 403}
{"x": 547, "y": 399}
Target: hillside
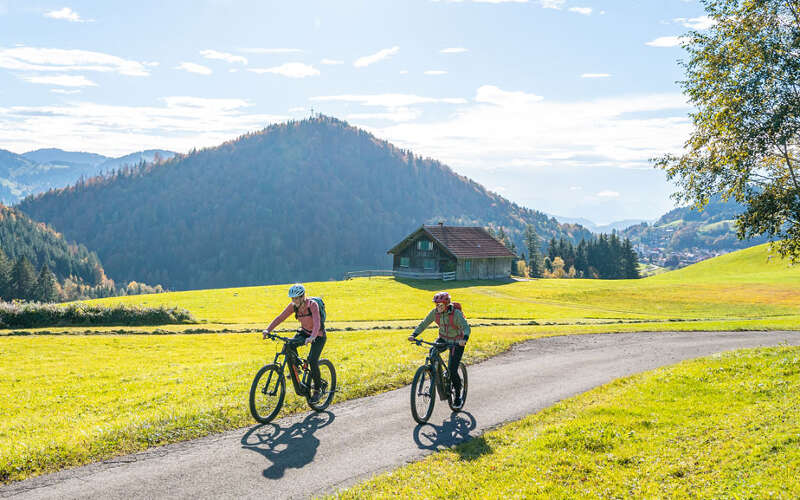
{"x": 296, "y": 201}
{"x": 751, "y": 265}
{"x": 22, "y": 237}
{"x": 37, "y": 171}
{"x": 683, "y": 236}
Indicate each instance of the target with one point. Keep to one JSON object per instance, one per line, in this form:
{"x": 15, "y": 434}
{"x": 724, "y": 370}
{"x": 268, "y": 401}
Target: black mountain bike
{"x": 433, "y": 377}
{"x": 269, "y": 386}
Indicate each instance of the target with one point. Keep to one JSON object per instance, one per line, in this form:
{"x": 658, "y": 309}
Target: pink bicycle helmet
{"x": 442, "y": 297}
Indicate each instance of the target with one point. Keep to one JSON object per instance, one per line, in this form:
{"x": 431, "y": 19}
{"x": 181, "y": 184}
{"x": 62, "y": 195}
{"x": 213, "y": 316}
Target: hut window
{"x": 429, "y": 263}
{"x": 468, "y": 266}
{"x": 404, "y": 261}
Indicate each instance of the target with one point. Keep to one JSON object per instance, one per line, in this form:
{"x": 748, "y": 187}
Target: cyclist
{"x": 310, "y": 332}
{"x": 453, "y": 327}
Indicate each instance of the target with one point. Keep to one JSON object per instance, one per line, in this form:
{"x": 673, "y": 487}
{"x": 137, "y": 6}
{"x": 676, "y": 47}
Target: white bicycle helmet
{"x": 297, "y": 290}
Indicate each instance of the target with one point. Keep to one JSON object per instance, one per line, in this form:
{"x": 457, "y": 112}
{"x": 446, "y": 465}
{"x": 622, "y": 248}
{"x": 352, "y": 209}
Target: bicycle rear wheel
{"x": 462, "y": 371}
{"x": 267, "y": 393}
{"x": 422, "y": 395}
{"x": 328, "y": 377}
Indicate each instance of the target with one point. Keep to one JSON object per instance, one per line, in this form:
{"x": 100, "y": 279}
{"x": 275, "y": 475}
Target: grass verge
{"x": 725, "y": 426}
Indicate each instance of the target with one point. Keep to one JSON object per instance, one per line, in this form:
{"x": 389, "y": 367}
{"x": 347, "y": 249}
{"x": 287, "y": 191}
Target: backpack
{"x": 321, "y": 305}
{"x": 454, "y": 305}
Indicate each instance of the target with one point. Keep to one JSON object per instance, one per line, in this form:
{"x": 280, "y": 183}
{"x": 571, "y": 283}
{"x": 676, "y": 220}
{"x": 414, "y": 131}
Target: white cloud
{"x": 259, "y": 50}
{"x": 607, "y": 194}
{"x": 61, "y": 80}
{"x": 581, "y": 10}
{"x": 500, "y": 1}
{"x": 65, "y": 91}
{"x": 403, "y": 71}
{"x": 291, "y": 70}
{"x": 66, "y": 14}
{"x": 223, "y": 56}
{"x": 666, "y": 41}
{"x": 696, "y": 23}
{"x": 43, "y": 59}
{"x": 398, "y": 106}
{"x": 490, "y": 94}
{"x": 504, "y": 128}
{"x": 365, "y": 61}
{"x": 194, "y": 68}
{"x": 436, "y": 72}
{"x": 552, "y": 4}
{"x": 575, "y": 188}
{"x": 395, "y": 115}
{"x": 453, "y": 50}
{"x": 388, "y": 100}
{"x": 595, "y": 75}
{"x": 331, "y": 61}
{"x": 178, "y": 123}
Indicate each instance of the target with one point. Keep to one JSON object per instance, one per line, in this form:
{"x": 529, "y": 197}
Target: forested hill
{"x": 296, "y": 201}
{"x": 22, "y": 237}
{"x": 683, "y": 229}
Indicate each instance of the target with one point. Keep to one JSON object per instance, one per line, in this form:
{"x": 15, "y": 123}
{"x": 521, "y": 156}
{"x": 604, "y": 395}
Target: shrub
{"x": 36, "y": 315}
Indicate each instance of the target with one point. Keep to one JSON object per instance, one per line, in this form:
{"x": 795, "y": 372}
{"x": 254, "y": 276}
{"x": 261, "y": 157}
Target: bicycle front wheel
{"x": 462, "y": 371}
{"x": 267, "y": 393}
{"x": 422, "y": 395}
{"x": 328, "y": 377}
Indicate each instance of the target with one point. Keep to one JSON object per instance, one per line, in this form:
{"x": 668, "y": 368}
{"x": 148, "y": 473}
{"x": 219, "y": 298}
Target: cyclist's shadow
{"x": 290, "y": 447}
{"x": 453, "y": 431}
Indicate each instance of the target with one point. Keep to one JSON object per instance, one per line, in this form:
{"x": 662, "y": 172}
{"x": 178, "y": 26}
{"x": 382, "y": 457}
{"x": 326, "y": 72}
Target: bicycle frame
{"x": 441, "y": 375}
{"x": 291, "y": 358}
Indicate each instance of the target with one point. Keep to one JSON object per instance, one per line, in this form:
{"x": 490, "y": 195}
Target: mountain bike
{"x": 433, "y": 377}
{"x": 269, "y": 385}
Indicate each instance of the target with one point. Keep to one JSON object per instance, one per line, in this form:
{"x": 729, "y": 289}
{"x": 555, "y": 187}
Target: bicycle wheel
{"x": 422, "y": 395}
{"x": 462, "y": 370}
{"x": 267, "y": 393}
{"x": 328, "y": 376}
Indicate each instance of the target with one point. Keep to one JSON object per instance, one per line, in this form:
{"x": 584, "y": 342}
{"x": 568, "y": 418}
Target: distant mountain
{"x": 37, "y": 171}
{"x": 600, "y": 228}
{"x": 146, "y": 156}
{"x": 296, "y": 201}
{"x": 61, "y": 157}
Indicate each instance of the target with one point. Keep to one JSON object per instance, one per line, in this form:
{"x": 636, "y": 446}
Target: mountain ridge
{"x": 300, "y": 200}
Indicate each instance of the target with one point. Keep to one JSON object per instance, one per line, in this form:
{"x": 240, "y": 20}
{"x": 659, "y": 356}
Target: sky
{"x": 558, "y": 105}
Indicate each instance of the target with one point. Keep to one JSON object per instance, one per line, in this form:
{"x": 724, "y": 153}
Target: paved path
{"x": 312, "y": 454}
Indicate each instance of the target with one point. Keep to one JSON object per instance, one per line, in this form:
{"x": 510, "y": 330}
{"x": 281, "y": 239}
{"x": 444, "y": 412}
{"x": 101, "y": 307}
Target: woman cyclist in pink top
{"x": 311, "y": 331}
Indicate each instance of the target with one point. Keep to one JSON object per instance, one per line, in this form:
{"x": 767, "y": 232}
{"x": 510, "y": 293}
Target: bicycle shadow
{"x": 291, "y": 447}
{"x": 453, "y": 432}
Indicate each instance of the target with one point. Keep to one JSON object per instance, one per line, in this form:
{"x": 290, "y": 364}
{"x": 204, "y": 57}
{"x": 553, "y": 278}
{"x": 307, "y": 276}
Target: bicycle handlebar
{"x": 285, "y": 339}
{"x": 446, "y": 343}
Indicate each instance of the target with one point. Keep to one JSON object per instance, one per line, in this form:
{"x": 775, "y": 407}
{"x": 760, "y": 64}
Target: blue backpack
{"x": 321, "y": 305}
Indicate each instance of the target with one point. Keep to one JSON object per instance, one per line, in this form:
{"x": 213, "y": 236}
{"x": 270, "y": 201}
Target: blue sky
{"x": 555, "y": 104}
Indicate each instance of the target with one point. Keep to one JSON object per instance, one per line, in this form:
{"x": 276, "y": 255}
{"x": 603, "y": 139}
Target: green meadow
{"x": 74, "y": 395}
{"x": 726, "y": 426}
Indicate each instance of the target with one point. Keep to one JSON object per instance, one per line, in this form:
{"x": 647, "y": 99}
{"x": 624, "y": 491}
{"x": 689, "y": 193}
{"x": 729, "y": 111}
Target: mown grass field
{"x": 726, "y": 426}
{"x": 748, "y": 284}
{"x": 74, "y": 395}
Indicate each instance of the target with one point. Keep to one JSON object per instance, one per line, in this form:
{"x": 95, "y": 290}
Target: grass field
{"x": 103, "y": 391}
{"x": 743, "y": 285}
{"x": 727, "y": 426}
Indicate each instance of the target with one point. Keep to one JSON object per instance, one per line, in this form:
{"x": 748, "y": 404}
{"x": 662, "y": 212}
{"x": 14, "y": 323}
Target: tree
{"x": 23, "y": 279}
{"x": 46, "y": 286}
{"x": 743, "y": 79}
{"x": 534, "y": 254}
{"x": 5, "y": 276}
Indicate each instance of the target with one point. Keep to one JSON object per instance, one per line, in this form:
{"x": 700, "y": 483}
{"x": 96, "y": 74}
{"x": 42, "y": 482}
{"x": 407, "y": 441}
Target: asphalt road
{"x": 312, "y": 454}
